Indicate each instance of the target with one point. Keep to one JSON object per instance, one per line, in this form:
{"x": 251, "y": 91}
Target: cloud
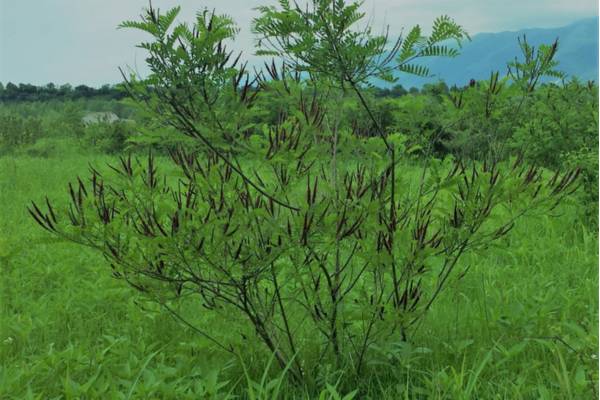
{"x": 77, "y": 41}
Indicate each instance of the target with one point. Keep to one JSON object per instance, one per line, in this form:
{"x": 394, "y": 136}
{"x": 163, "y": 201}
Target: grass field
{"x": 523, "y": 324}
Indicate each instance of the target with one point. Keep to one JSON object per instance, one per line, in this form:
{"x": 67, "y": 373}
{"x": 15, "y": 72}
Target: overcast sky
{"x": 76, "y": 41}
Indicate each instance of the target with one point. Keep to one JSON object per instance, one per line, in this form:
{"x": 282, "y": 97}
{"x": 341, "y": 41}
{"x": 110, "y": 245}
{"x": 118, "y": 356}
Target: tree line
{"x": 24, "y": 92}
{"x": 28, "y": 92}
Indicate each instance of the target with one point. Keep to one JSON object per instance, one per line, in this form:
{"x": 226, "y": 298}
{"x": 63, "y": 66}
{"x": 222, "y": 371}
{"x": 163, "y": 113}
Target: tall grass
{"x": 523, "y": 324}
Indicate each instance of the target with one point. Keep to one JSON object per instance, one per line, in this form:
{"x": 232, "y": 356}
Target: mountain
{"x": 577, "y": 54}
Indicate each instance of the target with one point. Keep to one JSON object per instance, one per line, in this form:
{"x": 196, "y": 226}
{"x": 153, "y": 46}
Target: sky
{"x": 77, "y": 41}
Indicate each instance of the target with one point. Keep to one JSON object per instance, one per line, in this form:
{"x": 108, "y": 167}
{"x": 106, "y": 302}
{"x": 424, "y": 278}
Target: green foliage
{"x": 320, "y": 41}
{"x": 38, "y": 128}
{"x": 196, "y": 73}
{"x": 416, "y": 46}
{"x": 109, "y": 137}
{"x": 562, "y": 120}
{"x": 548, "y": 123}
{"x": 487, "y": 116}
{"x": 324, "y": 41}
{"x": 534, "y": 66}
{"x": 17, "y": 131}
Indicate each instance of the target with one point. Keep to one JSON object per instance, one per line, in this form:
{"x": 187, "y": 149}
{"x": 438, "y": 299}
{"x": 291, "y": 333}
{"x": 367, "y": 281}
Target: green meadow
{"x": 522, "y": 324}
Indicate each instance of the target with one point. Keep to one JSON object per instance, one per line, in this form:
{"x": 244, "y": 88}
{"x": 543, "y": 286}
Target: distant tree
{"x": 27, "y": 91}
{"x": 398, "y": 91}
{"x": 65, "y": 90}
{"x": 47, "y": 92}
{"x": 435, "y": 89}
{"x": 105, "y": 90}
{"x": 11, "y": 91}
{"x": 83, "y": 91}
{"x": 380, "y": 92}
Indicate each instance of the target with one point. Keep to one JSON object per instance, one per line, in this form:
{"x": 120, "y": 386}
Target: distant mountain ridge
{"x": 577, "y": 54}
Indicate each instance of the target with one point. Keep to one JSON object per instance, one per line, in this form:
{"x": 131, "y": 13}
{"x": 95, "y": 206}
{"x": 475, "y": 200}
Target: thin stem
{"x": 288, "y": 331}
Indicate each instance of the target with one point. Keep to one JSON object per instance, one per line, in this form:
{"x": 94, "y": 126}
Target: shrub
{"x": 109, "y": 137}
{"x": 323, "y": 245}
{"x": 16, "y": 131}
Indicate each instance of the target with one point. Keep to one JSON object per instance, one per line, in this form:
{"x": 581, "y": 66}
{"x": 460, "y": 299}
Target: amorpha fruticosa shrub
{"x": 485, "y": 116}
{"x": 324, "y": 243}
